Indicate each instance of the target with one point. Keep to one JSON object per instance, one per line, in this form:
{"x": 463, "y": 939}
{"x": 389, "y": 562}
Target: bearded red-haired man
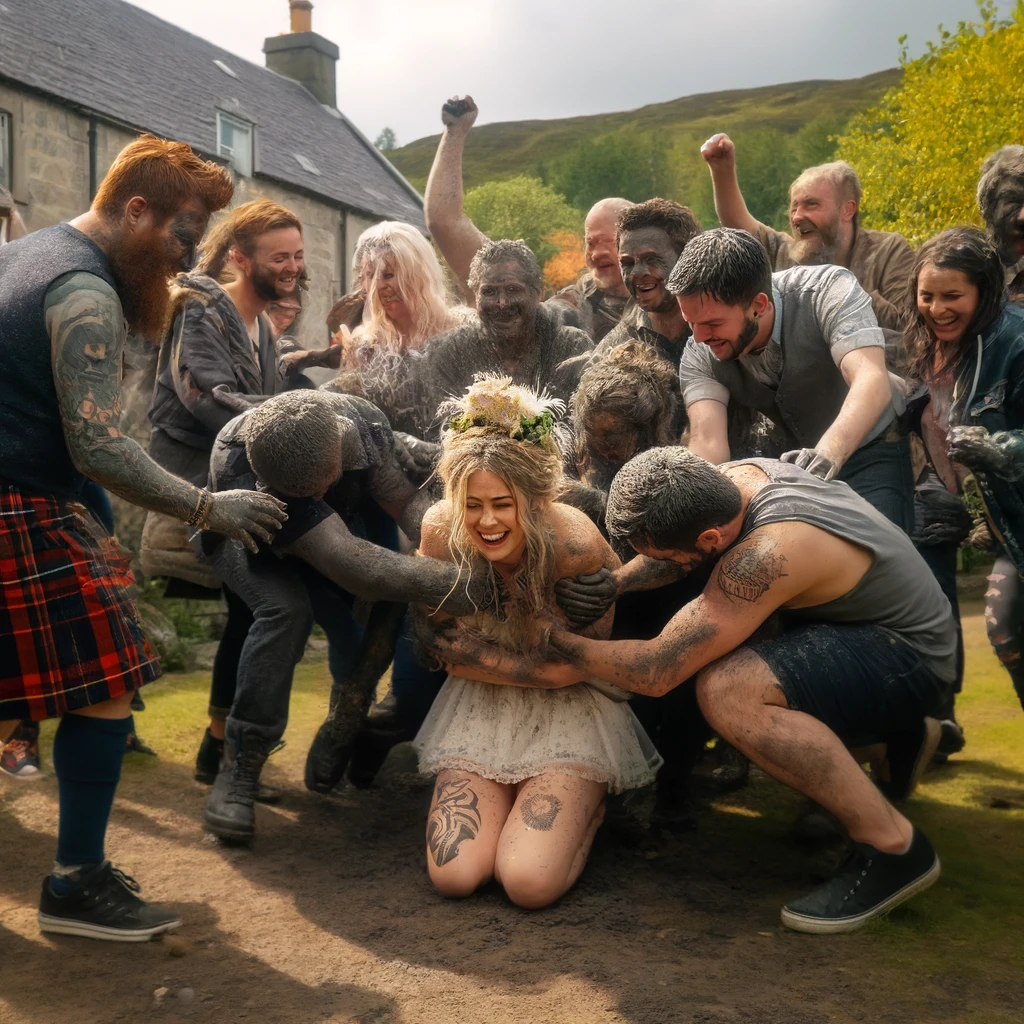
{"x": 70, "y": 641}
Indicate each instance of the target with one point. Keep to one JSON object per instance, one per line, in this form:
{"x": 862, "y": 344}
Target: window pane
{"x": 234, "y": 141}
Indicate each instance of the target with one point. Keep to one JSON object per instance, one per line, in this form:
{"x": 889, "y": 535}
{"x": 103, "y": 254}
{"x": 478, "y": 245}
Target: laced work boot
{"x": 229, "y": 812}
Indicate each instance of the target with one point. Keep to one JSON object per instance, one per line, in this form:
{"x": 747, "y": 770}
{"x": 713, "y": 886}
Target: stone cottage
{"x": 80, "y": 78}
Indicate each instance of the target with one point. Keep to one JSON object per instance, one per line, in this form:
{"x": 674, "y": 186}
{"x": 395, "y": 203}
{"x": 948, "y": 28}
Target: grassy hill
{"x": 505, "y": 149}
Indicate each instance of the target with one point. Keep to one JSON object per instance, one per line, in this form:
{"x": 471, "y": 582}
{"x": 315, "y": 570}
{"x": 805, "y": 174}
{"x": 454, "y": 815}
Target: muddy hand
{"x": 1001, "y": 453}
{"x": 719, "y": 151}
{"x": 230, "y": 399}
{"x": 459, "y": 113}
{"x": 585, "y": 599}
{"x": 813, "y": 461}
{"x": 417, "y": 458}
{"x": 348, "y": 310}
{"x": 248, "y": 516}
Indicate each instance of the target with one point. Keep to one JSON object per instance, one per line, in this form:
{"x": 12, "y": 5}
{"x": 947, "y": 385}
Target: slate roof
{"x": 124, "y": 64}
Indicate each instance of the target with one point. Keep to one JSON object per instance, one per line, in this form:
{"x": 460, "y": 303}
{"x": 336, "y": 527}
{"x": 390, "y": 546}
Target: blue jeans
{"x": 881, "y": 473}
{"x": 285, "y": 597}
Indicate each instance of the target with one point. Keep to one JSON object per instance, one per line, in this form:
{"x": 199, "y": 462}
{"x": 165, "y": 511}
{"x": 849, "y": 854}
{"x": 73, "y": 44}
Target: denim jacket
{"x": 989, "y": 393}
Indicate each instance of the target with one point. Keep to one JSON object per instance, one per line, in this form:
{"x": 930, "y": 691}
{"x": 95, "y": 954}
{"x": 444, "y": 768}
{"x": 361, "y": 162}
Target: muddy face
{"x": 646, "y": 258}
{"x": 613, "y": 439}
{"x": 1008, "y": 222}
{"x": 505, "y": 302}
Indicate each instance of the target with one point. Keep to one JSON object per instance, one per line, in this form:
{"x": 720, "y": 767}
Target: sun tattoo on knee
{"x": 454, "y": 819}
{"x": 540, "y": 810}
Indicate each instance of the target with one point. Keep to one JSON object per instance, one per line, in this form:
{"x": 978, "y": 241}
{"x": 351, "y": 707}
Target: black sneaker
{"x": 907, "y": 756}
{"x": 102, "y": 905}
{"x": 951, "y": 740}
{"x": 869, "y": 884}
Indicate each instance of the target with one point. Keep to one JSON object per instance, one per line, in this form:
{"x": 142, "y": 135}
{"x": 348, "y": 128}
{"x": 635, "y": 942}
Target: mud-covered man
{"x": 1001, "y": 201}
{"x": 824, "y": 211}
{"x": 595, "y": 303}
{"x": 864, "y": 657}
{"x": 516, "y": 335}
{"x": 70, "y": 641}
{"x": 650, "y": 237}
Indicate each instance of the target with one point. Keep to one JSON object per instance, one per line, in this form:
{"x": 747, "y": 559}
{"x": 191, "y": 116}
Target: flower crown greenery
{"x": 494, "y": 401}
{"x": 532, "y": 429}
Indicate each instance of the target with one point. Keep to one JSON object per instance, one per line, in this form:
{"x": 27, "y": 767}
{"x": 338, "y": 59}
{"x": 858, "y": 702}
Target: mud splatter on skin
{"x": 746, "y": 573}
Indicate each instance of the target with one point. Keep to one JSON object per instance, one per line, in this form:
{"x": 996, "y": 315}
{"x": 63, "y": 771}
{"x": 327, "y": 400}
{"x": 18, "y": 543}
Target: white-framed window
{"x": 5, "y": 149}
{"x": 234, "y": 141}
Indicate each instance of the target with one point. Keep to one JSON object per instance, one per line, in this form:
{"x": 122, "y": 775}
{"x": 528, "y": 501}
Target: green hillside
{"x": 503, "y": 150}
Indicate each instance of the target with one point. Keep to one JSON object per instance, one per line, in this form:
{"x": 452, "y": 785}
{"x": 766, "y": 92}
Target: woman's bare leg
{"x": 465, "y": 821}
{"x": 546, "y": 840}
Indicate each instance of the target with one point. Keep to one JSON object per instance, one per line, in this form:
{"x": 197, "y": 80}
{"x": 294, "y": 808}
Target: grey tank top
{"x": 898, "y": 592}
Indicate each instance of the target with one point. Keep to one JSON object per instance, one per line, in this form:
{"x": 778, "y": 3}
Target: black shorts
{"x": 865, "y": 683}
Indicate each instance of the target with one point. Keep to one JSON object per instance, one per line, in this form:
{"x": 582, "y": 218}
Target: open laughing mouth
{"x": 493, "y": 540}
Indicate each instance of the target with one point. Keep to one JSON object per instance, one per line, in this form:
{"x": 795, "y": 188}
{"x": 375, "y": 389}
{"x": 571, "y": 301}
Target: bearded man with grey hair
{"x": 517, "y": 336}
{"x": 824, "y": 218}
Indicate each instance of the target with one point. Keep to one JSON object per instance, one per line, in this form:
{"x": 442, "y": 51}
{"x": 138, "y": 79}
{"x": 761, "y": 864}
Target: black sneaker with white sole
{"x": 102, "y": 904}
{"x": 869, "y": 884}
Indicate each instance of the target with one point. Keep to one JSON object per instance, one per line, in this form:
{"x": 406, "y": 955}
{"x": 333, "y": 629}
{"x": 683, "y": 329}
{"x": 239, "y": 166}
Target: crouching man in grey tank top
{"x": 866, "y": 649}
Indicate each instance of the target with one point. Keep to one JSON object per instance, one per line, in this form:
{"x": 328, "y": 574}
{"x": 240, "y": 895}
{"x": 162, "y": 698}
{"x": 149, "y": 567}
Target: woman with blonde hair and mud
{"x": 522, "y": 772}
{"x": 404, "y": 300}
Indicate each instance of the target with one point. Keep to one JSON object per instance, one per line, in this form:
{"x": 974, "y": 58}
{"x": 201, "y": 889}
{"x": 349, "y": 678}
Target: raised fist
{"x": 719, "y": 151}
{"x": 459, "y": 113}
{"x": 246, "y": 516}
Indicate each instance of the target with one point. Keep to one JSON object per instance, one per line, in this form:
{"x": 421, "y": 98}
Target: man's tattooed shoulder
{"x": 747, "y": 573}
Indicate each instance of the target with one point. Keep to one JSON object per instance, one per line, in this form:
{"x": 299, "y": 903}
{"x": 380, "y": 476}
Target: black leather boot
{"x": 229, "y": 812}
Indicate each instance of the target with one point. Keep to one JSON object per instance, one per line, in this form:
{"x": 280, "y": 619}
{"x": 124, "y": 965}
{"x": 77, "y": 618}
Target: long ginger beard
{"x": 143, "y": 274}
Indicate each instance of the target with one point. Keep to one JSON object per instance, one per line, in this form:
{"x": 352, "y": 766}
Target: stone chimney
{"x": 305, "y": 56}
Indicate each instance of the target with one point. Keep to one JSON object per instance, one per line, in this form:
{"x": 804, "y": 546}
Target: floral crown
{"x": 496, "y": 402}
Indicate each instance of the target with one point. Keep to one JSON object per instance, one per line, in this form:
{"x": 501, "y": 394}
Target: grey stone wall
{"x": 50, "y": 183}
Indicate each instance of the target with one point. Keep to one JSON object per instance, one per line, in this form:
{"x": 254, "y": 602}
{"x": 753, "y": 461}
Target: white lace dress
{"x": 513, "y": 733}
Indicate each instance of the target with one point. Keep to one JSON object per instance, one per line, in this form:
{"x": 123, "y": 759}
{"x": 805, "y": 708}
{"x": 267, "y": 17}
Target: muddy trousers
{"x": 1004, "y": 619}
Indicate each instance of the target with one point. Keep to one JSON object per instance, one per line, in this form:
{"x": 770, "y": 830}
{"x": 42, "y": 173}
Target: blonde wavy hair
{"x": 419, "y": 280}
{"x": 506, "y": 430}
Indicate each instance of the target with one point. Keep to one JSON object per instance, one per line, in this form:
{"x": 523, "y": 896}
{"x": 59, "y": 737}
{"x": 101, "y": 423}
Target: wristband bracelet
{"x": 199, "y": 513}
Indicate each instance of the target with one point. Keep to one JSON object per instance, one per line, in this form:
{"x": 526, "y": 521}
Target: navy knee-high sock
{"x": 87, "y": 756}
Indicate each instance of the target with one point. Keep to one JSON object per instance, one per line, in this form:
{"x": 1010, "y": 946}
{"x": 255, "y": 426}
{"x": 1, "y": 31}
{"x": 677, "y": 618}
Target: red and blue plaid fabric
{"x": 69, "y": 628}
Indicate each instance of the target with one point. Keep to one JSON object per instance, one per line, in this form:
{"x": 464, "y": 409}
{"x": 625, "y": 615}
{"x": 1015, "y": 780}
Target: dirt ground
{"x": 331, "y": 918}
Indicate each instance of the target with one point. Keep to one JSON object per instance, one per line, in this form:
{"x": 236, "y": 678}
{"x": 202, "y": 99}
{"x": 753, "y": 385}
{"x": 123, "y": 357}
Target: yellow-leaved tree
{"x": 568, "y": 262}
{"x": 919, "y": 152}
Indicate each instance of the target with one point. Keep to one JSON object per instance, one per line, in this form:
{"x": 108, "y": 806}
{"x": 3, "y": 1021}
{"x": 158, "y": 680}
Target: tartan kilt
{"x": 70, "y": 634}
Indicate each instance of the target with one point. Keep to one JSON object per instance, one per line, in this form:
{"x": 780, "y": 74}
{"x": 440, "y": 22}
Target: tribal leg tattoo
{"x": 454, "y": 819}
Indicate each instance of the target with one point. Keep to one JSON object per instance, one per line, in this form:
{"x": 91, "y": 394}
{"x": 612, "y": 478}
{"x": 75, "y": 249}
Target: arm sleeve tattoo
{"x": 87, "y": 338}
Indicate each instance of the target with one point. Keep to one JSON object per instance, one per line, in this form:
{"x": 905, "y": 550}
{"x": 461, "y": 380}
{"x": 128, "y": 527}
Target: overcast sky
{"x": 519, "y": 59}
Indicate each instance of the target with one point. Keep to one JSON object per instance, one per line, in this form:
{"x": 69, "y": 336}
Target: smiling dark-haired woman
{"x": 967, "y": 343}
